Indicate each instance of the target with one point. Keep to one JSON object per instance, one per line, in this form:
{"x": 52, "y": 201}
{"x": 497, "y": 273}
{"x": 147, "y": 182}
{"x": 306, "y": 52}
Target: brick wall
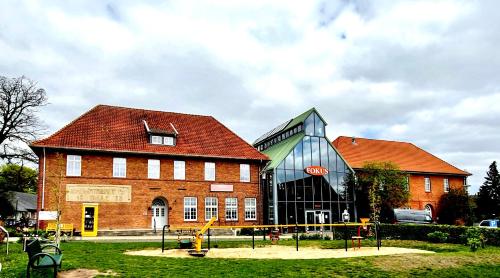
{"x": 97, "y": 168}
{"x": 419, "y": 198}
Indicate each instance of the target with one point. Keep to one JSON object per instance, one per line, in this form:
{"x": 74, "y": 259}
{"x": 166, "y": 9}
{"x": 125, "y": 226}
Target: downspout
{"x": 43, "y": 181}
{"x": 260, "y": 198}
{"x": 275, "y": 197}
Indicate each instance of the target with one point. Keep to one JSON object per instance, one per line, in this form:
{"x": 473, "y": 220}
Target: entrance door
{"x": 89, "y": 219}
{"x": 310, "y": 220}
{"x": 318, "y": 217}
{"x": 160, "y": 214}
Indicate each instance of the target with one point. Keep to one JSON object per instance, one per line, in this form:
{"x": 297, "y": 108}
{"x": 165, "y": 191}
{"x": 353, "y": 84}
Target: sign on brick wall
{"x": 221, "y": 187}
{"x": 98, "y": 193}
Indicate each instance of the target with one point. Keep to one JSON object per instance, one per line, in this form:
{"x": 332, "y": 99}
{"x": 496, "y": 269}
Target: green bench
{"x": 39, "y": 259}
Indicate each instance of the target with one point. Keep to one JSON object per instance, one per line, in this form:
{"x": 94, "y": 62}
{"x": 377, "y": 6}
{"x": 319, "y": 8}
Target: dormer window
{"x": 162, "y": 140}
{"x": 163, "y": 135}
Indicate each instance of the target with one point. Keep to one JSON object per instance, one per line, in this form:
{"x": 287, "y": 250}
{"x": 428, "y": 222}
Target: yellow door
{"x": 89, "y": 219}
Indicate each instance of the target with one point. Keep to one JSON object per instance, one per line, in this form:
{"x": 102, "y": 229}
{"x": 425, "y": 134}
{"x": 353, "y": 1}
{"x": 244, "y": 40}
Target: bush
{"x": 248, "y": 232}
{"x": 475, "y": 238}
{"x": 474, "y": 243}
{"x": 311, "y": 237}
{"x": 456, "y": 234}
{"x": 437, "y": 237}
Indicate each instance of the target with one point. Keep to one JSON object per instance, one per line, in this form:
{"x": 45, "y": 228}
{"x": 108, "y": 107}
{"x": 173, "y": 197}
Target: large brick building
{"x": 429, "y": 177}
{"x": 123, "y": 168}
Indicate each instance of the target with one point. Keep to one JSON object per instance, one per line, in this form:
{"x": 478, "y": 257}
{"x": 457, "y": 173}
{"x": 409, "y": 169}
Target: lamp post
{"x": 346, "y": 217}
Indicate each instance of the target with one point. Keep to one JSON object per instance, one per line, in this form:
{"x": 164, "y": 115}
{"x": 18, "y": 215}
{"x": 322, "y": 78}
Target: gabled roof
{"x": 120, "y": 129}
{"x": 22, "y": 201}
{"x": 287, "y": 125}
{"x": 279, "y": 151}
{"x": 407, "y": 156}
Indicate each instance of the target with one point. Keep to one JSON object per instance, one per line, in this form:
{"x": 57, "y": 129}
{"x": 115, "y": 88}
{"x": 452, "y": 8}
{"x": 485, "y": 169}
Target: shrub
{"x": 456, "y": 234}
{"x": 311, "y": 237}
{"x": 474, "y": 243}
{"x": 437, "y": 237}
{"x": 248, "y": 232}
{"x": 475, "y": 238}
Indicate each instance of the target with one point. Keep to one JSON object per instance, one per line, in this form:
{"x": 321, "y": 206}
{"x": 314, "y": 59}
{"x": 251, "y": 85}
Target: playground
{"x": 282, "y": 252}
{"x": 113, "y": 259}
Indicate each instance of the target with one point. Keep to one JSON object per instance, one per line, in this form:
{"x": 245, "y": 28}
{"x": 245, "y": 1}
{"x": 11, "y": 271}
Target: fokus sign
{"x": 316, "y": 170}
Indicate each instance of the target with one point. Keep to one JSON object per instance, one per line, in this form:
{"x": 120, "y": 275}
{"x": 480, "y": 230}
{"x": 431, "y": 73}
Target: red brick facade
{"x": 419, "y": 198}
{"x": 97, "y": 168}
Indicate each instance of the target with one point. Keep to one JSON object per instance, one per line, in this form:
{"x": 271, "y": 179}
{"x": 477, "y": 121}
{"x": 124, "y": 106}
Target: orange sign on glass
{"x": 316, "y": 170}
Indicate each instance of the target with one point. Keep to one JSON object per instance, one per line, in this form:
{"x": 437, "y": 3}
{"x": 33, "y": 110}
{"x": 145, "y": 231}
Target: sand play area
{"x": 281, "y": 252}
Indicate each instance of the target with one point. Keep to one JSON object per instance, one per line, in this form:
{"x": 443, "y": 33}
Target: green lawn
{"x": 450, "y": 260}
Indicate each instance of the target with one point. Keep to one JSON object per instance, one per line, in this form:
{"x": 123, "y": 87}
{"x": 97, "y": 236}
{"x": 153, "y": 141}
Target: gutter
{"x": 144, "y": 153}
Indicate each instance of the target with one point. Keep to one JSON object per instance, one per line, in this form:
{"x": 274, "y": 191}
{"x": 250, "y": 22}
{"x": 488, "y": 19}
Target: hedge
{"x": 419, "y": 232}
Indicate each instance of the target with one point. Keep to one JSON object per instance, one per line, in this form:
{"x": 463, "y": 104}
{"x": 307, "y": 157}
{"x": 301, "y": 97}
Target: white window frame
{"x": 250, "y": 208}
{"x": 179, "y": 170}
{"x": 231, "y": 209}
{"x": 210, "y": 171}
{"x": 73, "y": 165}
{"x": 154, "y": 169}
{"x": 119, "y": 167}
{"x": 446, "y": 185}
{"x": 427, "y": 184}
{"x": 168, "y": 141}
{"x": 244, "y": 172}
{"x": 189, "y": 208}
{"x": 211, "y": 208}
{"x": 156, "y": 139}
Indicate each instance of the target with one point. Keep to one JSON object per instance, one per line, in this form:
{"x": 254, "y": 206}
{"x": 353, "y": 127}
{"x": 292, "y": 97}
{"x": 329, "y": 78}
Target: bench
{"x": 37, "y": 259}
{"x": 67, "y": 228}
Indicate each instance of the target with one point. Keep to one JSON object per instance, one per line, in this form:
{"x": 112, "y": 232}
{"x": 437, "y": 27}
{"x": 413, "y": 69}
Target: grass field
{"x": 450, "y": 260}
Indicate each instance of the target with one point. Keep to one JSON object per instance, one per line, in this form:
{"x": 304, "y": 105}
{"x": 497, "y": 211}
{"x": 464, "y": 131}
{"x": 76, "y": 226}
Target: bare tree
{"x": 20, "y": 99}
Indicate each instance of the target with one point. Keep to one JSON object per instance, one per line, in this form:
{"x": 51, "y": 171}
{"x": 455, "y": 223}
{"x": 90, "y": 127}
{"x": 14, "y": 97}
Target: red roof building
{"x": 125, "y": 168}
{"x": 429, "y": 176}
{"x": 120, "y": 129}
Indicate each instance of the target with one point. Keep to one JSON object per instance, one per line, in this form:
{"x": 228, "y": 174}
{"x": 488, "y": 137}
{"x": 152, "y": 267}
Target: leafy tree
{"x": 15, "y": 178}
{"x": 19, "y": 178}
{"x": 384, "y": 187}
{"x": 20, "y": 99}
{"x": 455, "y": 207}
{"x": 488, "y": 197}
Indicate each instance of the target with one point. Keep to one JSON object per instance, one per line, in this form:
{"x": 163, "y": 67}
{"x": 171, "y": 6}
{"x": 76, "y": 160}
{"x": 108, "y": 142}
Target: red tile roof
{"x": 111, "y": 128}
{"x": 407, "y": 156}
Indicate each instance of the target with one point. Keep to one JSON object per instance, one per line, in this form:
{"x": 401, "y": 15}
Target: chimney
{"x": 353, "y": 140}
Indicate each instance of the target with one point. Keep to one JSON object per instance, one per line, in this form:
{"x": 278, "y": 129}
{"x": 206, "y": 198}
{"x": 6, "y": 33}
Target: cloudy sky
{"x": 419, "y": 71}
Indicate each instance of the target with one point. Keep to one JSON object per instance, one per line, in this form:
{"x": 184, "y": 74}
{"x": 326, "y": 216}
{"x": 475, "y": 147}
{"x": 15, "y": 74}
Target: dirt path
{"x": 84, "y": 273}
{"x": 281, "y": 252}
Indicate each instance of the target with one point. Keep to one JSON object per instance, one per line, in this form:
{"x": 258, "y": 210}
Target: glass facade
{"x": 293, "y": 196}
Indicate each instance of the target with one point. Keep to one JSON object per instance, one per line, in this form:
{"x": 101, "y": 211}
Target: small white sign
{"x": 221, "y": 187}
{"x": 47, "y": 215}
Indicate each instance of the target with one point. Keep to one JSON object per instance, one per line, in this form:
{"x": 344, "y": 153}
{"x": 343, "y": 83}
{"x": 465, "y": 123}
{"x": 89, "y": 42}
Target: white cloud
{"x": 419, "y": 71}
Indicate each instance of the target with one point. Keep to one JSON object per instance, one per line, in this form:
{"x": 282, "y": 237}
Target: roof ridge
{"x": 284, "y": 126}
{"x": 151, "y": 110}
{"x": 373, "y": 139}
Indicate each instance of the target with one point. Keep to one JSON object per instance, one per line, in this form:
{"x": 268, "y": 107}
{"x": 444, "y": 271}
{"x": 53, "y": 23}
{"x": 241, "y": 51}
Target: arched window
{"x": 428, "y": 208}
{"x": 158, "y": 202}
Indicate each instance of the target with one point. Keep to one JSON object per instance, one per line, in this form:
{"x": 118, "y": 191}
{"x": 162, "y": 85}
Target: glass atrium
{"x": 290, "y": 194}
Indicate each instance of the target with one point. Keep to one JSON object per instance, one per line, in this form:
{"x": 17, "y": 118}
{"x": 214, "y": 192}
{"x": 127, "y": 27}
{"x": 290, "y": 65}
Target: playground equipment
{"x": 199, "y": 235}
{"x": 197, "y": 251}
{"x": 358, "y": 237}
